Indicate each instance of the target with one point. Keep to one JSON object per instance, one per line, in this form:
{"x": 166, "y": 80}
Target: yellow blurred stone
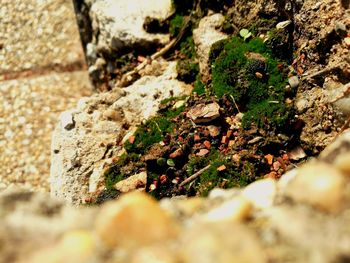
{"x": 134, "y": 220}
{"x": 226, "y": 242}
{"x": 74, "y": 247}
{"x": 77, "y": 244}
{"x": 235, "y": 210}
{"x": 320, "y": 185}
{"x": 342, "y": 162}
{"x": 261, "y": 193}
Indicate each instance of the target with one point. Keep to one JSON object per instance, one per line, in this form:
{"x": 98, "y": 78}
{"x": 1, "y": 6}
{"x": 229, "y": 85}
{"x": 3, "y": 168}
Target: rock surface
{"x": 204, "y": 37}
{"x": 42, "y": 73}
{"x": 80, "y": 154}
{"x": 292, "y": 220}
{"x": 119, "y": 24}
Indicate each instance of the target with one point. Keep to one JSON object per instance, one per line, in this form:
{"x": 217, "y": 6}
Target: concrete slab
{"x": 29, "y": 110}
{"x": 39, "y": 36}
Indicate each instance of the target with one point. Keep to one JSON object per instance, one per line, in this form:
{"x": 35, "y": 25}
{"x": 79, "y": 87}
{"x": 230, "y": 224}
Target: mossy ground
{"x": 248, "y": 71}
{"x": 252, "y": 84}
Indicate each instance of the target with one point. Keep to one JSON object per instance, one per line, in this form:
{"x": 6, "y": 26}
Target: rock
{"x": 134, "y": 220}
{"x": 261, "y": 193}
{"x": 202, "y": 152}
{"x": 119, "y": 24}
{"x": 67, "y": 121}
{"x": 91, "y": 52}
{"x": 202, "y": 113}
{"x": 213, "y": 130}
{"x": 137, "y": 181}
{"x": 283, "y": 24}
{"x": 211, "y": 243}
{"x": 204, "y": 37}
{"x": 293, "y": 82}
{"x": 80, "y": 155}
{"x": 319, "y": 185}
{"x": 235, "y": 210}
{"x": 338, "y": 153}
{"x": 340, "y": 28}
{"x": 296, "y": 153}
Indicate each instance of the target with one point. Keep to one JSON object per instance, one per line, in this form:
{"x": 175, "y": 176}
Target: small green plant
{"x": 245, "y": 34}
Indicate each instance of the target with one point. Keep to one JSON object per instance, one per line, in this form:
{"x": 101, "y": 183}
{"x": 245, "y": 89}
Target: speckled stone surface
{"x": 42, "y": 72}
{"x": 39, "y": 35}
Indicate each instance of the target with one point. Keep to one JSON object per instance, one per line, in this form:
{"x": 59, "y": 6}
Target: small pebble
{"x": 293, "y": 82}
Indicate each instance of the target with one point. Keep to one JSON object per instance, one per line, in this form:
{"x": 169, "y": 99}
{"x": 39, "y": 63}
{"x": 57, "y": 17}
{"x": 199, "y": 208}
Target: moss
{"x": 199, "y": 86}
{"x": 268, "y": 114}
{"x": 187, "y": 48}
{"x": 187, "y": 70}
{"x": 235, "y": 74}
{"x": 232, "y": 176}
{"x": 150, "y": 133}
{"x": 176, "y": 24}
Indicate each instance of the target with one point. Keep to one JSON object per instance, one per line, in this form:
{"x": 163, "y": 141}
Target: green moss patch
{"x": 249, "y": 73}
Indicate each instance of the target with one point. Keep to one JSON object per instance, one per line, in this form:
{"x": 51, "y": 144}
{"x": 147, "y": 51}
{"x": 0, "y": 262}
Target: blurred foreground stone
{"x": 303, "y": 217}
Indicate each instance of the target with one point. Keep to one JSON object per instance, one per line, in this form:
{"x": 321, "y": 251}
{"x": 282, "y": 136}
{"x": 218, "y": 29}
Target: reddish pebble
{"x": 197, "y": 137}
{"x": 207, "y": 144}
{"x": 269, "y": 158}
{"x": 131, "y": 139}
{"x": 229, "y": 134}
{"x": 221, "y": 168}
{"x": 202, "y": 152}
{"x": 176, "y": 153}
{"x": 224, "y": 140}
{"x": 163, "y": 179}
{"x": 276, "y": 166}
{"x": 272, "y": 175}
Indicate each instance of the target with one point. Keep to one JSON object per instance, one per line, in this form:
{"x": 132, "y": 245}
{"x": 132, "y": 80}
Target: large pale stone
{"x": 134, "y": 220}
{"x": 235, "y": 210}
{"x": 261, "y": 193}
{"x": 320, "y": 185}
{"x": 80, "y": 155}
{"x": 119, "y": 24}
{"x": 204, "y": 37}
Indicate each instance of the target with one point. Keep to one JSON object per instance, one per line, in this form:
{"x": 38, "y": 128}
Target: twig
{"x": 129, "y": 76}
{"x": 194, "y": 176}
{"x": 234, "y": 101}
{"x": 322, "y": 72}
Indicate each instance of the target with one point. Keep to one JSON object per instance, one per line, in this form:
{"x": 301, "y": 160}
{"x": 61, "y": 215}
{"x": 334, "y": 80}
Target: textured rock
{"x": 119, "y": 24}
{"x": 234, "y": 210}
{"x": 133, "y": 221}
{"x": 137, "y": 181}
{"x": 261, "y": 193}
{"x": 202, "y": 113}
{"x": 319, "y": 185}
{"x": 80, "y": 154}
{"x": 211, "y": 243}
{"x": 204, "y": 37}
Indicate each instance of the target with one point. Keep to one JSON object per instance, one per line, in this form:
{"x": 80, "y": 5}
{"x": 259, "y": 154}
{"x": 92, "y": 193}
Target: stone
{"x": 67, "y": 120}
{"x": 340, "y": 28}
{"x": 119, "y": 24}
{"x": 134, "y": 220}
{"x": 213, "y": 130}
{"x": 319, "y": 185}
{"x": 261, "y": 193}
{"x": 202, "y": 113}
{"x": 202, "y": 152}
{"x": 283, "y": 24}
{"x": 204, "y": 37}
{"x": 234, "y": 210}
{"x": 80, "y": 155}
{"x": 134, "y": 182}
{"x": 294, "y": 82}
{"x": 211, "y": 243}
